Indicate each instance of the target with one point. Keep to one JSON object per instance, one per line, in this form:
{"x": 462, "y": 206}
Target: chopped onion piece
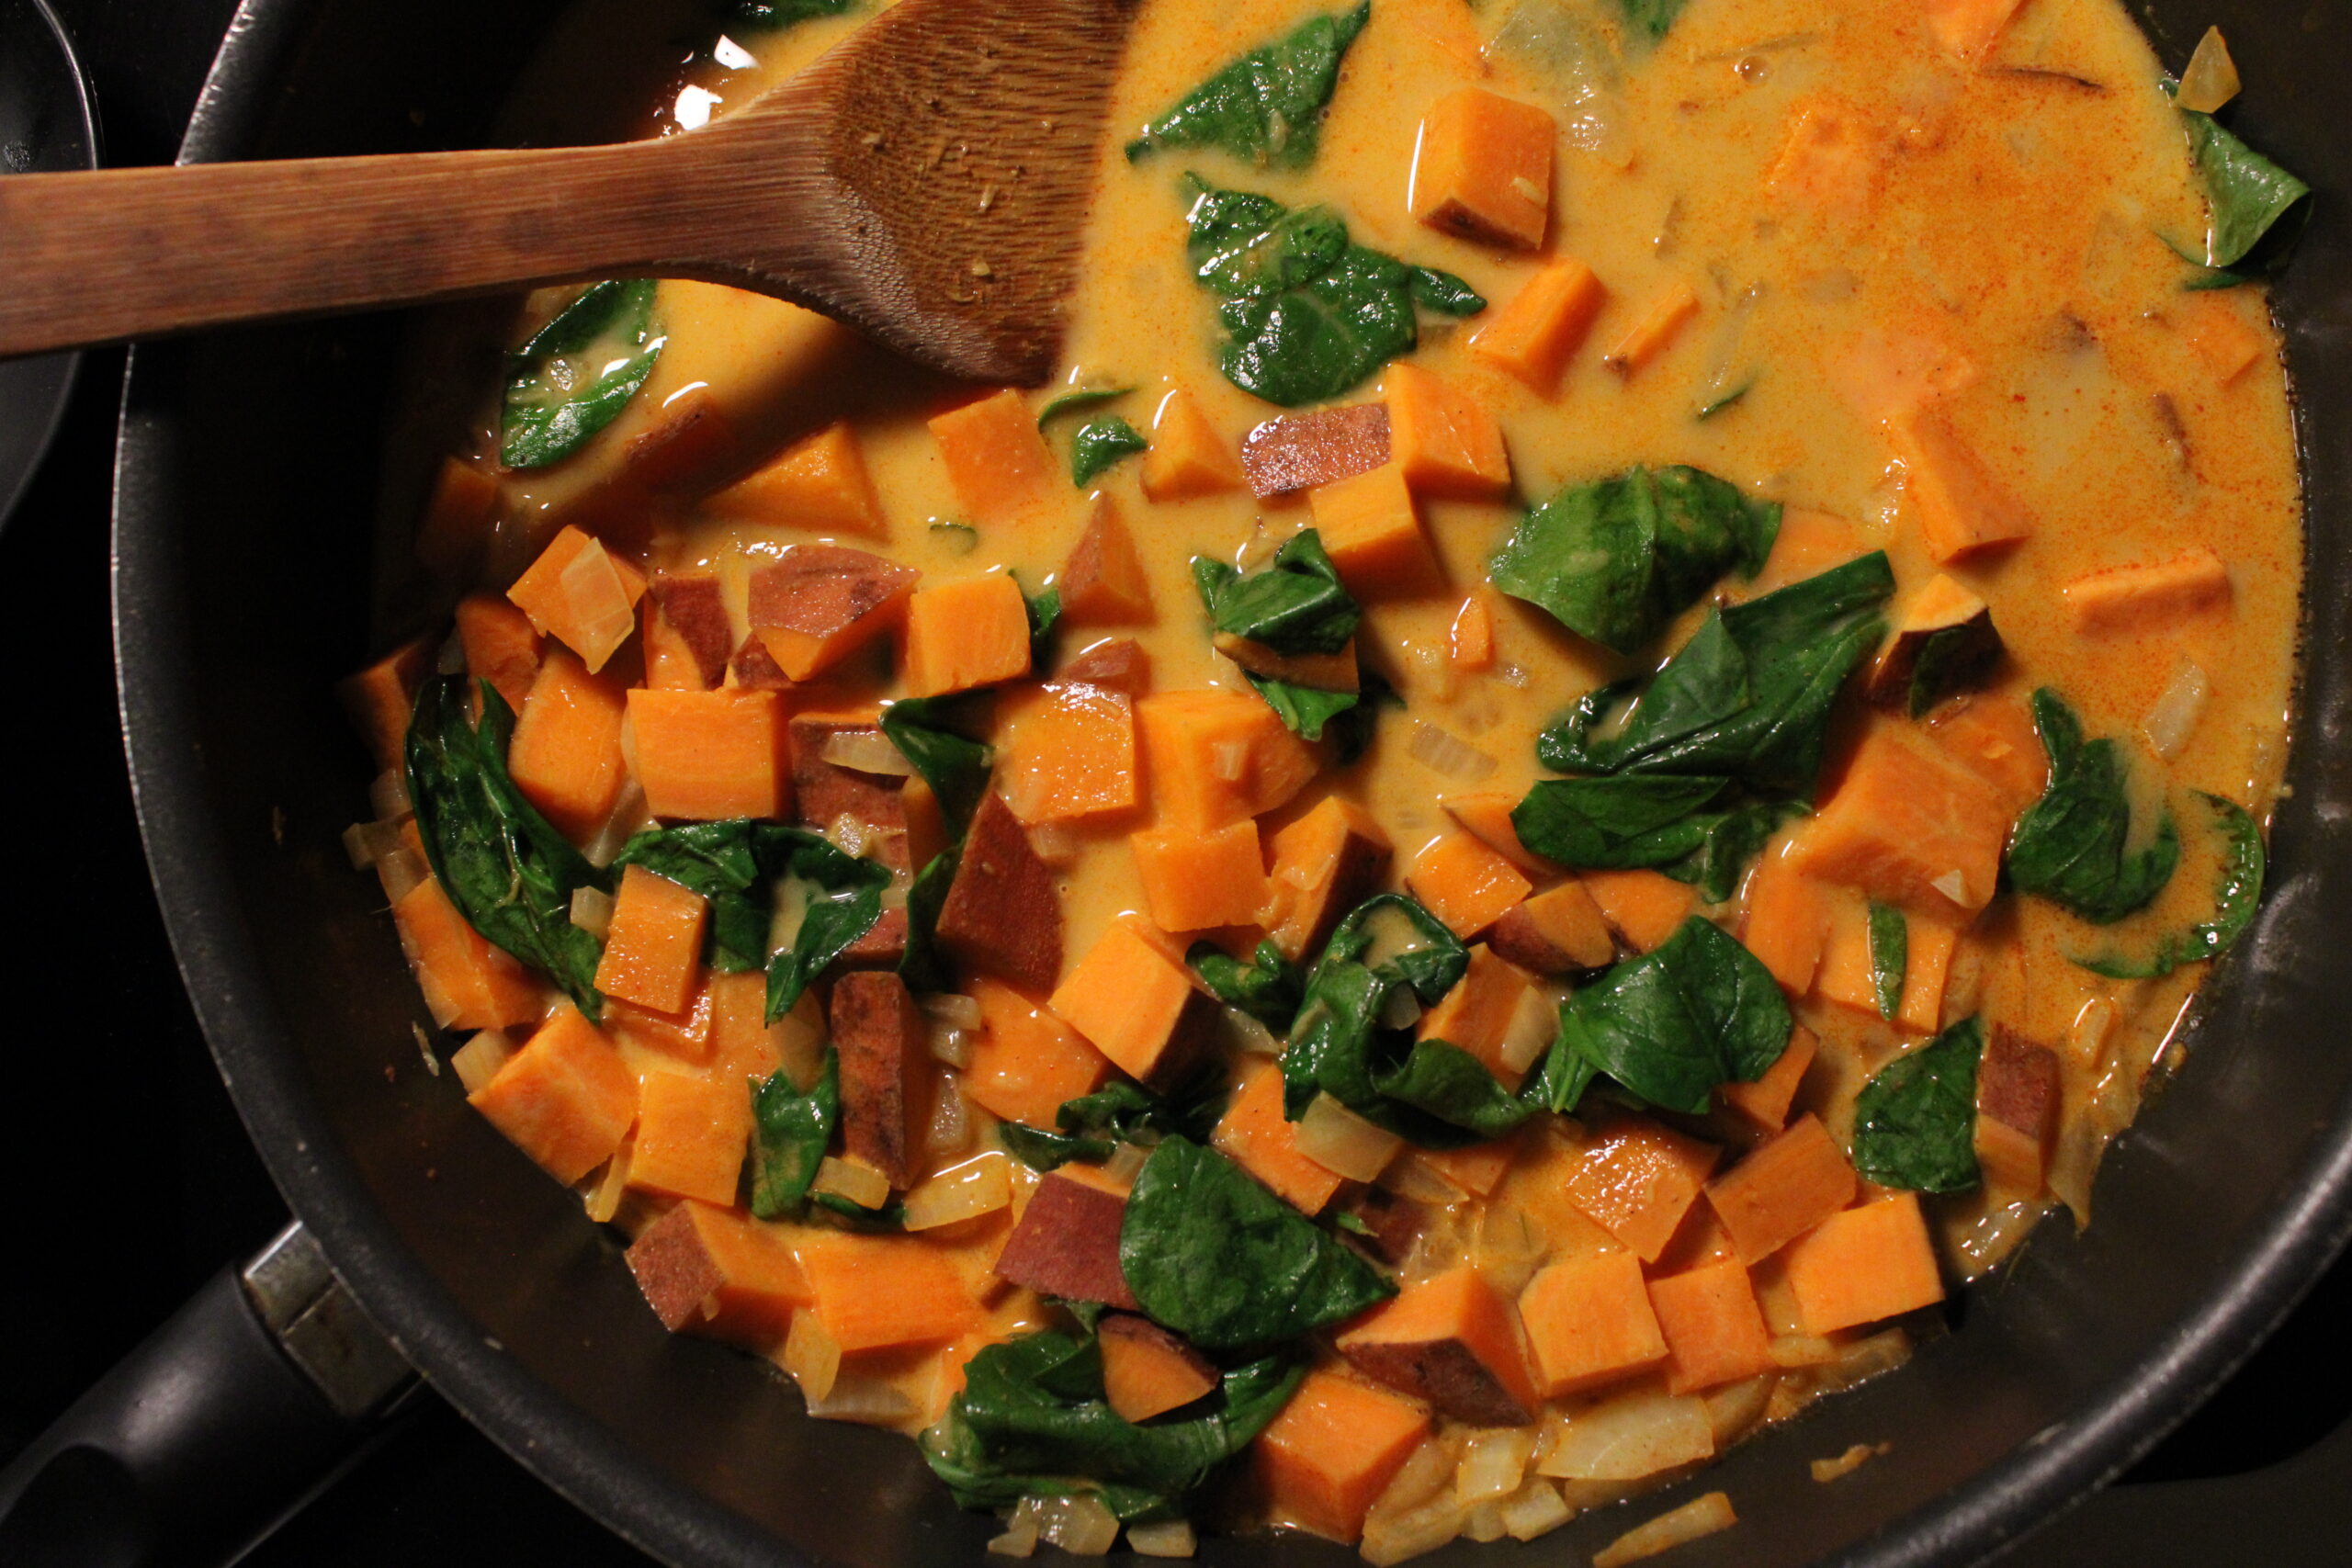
{"x": 2174, "y": 717}
{"x": 951, "y": 1118}
{"x": 791, "y": 909}
{"x": 812, "y": 1356}
{"x": 1828, "y": 1470}
{"x": 1536, "y": 1509}
{"x": 1126, "y": 1162}
{"x": 979, "y": 1185}
{"x": 1509, "y": 1248}
{"x": 1563, "y": 49}
{"x": 602, "y": 614}
{"x": 1228, "y": 760}
{"x": 1389, "y": 934}
{"x": 1493, "y": 1464}
{"x": 1170, "y": 1538}
{"x": 1402, "y": 1009}
{"x": 1249, "y": 1034}
{"x": 952, "y": 1009}
{"x": 865, "y": 752}
{"x": 1513, "y": 675}
{"x": 861, "y": 1184}
{"x": 1447, "y": 755}
{"x": 1534, "y": 1024}
{"x": 1952, "y": 885}
{"x": 1343, "y": 1143}
{"x": 591, "y": 910}
{"x": 399, "y": 871}
{"x": 367, "y": 843}
{"x": 951, "y": 1044}
{"x": 629, "y": 814}
{"x": 1054, "y": 844}
{"x": 1793, "y": 1350}
{"x": 1631, "y": 1437}
{"x": 1702, "y": 1515}
{"x": 2212, "y": 78}
{"x": 1394, "y": 1537}
{"x": 1078, "y": 1523}
{"x": 1736, "y": 1408}
{"x": 868, "y": 1401}
{"x": 479, "y": 1059}
{"x": 604, "y": 1198}
{"x": 387, "y": 795}
{"x": 1864, "y": 1360}
{"x": 849, "y": 834}
{"x": 1422, "y": 1476}
{"x": 1020, "y": 1540}
{"x": 1484, "y": 1522}
{"x": 1409, "y": 1176}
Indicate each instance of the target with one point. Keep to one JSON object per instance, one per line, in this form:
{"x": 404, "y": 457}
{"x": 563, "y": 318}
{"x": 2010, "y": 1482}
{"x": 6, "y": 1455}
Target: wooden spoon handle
{"x": 105, "y": 257}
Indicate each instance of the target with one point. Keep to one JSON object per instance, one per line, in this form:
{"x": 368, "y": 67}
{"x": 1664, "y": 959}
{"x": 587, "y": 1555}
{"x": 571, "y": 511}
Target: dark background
{"x": 131, "y": 1181}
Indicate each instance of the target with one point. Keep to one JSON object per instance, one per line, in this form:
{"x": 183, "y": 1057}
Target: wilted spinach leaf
{"x": 1296, "y": 606}
{"x": 791, "y": 1132}
{"x": 2069, "y": 846}
{"x": 578, "y": 372}
{"x": 955, "y": 766}
{"x": 920, "y": 964}
{"x": 1915, "y": 1124}
{"x": 2245, "y": 193}
{"x": 1267, "y": 987}
{"x": 1073, "y": 401}
{"x": 1099, "y": 443}
{"x": 1214, "y": 1256}
{"x": 1304, "y": 710}
{"x": 2237, "y": 892}
{"x": 504, "y": 866}
{"x": 1452, "y": 1085}
{"x": 1617, "y": 559}
{"x": 1651, "y": 16}
{"x": 1890, "y": 957}
{"x": 1267, "y": 105}
{"x": 1697, "y": 829}
{"x": 1092, "y": 1125}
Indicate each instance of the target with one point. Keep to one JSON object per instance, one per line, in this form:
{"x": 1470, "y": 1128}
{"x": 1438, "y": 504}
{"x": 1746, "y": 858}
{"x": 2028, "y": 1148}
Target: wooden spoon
{"x": 927, "y": 181}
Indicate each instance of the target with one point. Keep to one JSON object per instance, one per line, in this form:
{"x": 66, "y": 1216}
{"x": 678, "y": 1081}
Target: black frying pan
{"x": 247, "y": 483}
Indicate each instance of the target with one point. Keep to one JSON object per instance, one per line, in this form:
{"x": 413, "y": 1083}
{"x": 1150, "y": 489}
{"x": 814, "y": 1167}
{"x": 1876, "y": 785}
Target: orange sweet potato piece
{"x": 710, "y": 756}
{"x": 1135, "y": 1000}
{"x": 684, "y": 440}
{"x": 1830, "y": 161}
{"x": 819, "y": 482}
{"x": 971, "y": 632}
{"x": 692, "y": 608}
{"x": 1253, "y": 1135}
{"x": 1003, "y": 913}
{"x": 699, "y": 1259}
{"x": 500, "y": 646}
{"x": 1329, "y": 1452}
{"x": 653, "y": 948}
{"x": 1782, "y": 1189}
{"x": 1444, "y": 440}
{"x": 824, "y": 792}
{"x": 1487, "y": 813}
{"x": 1325, "y": 864}
{"x": 1213, "y": 756}
{"x": 1764, "y": 1104}
{"x": 1645, "y": 906}
{"x": 1635, "y": 1179}
{"x": 1589, "y": 1322}
{"x": 885, "y": 1049}
{"x": 1470, "y": 641}
{"x": 1066, "y": 751}
{"x": 1714, "y": 1331}
{"x": 1102, "y": 583}
{"x": 1968, "y": 27}
{"x": 1452, "y": 1341}
{"x": 1534, "y": 334}
{"x": 2157, "y": 597}
{"x": 1845, "y": 974}
{"x": 565, "y": 1099}
{"x": 467, "y": 984}
{"x": 581, "y": 595}
{"x": 741, "y": 1042}
{"x": 995, "y": 458}
{"x": 1025, "y": 1062}
{"x": 1299, "y": 451}
{"x": 1118, "y": 663}
{"x": 692, "y": 1135}
{"x": 1995, "y": 738}
{"x": 2017, "y": 1100}
{"x": 1187, "y": 458}
{"x": 566, "y": 753}
{"x": 450, "y": 535}
{"x": 2222, "y": 338}
{"x": 1466, "y": 883}
{"x": 1556, "y": 931}
{"x": 1476, "y": 1013}
{"x": 1929, "y": 949}
{"x": 876, "y": 1292}
{"x": 1961, "y": 507}
{"x": 684, "y": 1034}
{"x": 1066, "y": 1243}
{"x": 1482, "y": 169}
{"x": 1808, "y": 543}
{"x": 380, "y": 699}
{"x": 1909, "y": 824}
{"x": 754, "y": 669}
{"x": 1475, "y": 1169}
{"x": 1862, "y": 1265}
{"x": 1148, "y": 1371}
{"x": 1193, "y": 880}
{"x": 1372, "y": 534}
{"x": 815, "y": 604}
{"x": 1655, "y": 332}
{"x": 1787, "y": 922}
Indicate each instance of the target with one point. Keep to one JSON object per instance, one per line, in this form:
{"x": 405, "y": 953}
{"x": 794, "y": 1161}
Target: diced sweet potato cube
{"x": 467, "y": 984}
{"x": 653, "y": 948}
{"x": 1644, "y": 906}
{"x": 1863, "y": 1265}
{"x": 692, "y": 1135}
{"x": 1118, "y": 663}
{"x": 1466, "y": 883}
{"x": 1187, "y": 458}
{"x": 1556, "y": 931}
{"x": 380, "y": 699}
{"x": 819, "y": 483}
{"x": 1102, "y": 583}
{"x": 1325, "y": 864}
{"x": 1475, "y": 1169}
{"x": 1487, "y": 813}
{"x": 687, "y": 437}
{"x": 1929, "y": 946}
{"x": 1782, "y": 1189}
{"x": 1943, "y": 608}
{"x": 1655, "y": 332}
{"x": 1213, "y": 756}
{"x": 1787, "y": 922}
{"x": 885, "y": 1054}
{"x": 1968, "y": 27}
{"x": 684, "y": 1034}
{"x": 1253, "y": 1135}
{"x": 566, "y": 753}
{"x": 825, "y": 791}
{"x": 1636, "y": 1180}
{"x": 815, "y": 604}
{"x": 1960, "y": 506}
{"x": 450, "y": 535}
{"x": 1195, "y": 879}
{"x": 969, "y": 633}
{"x": 1808, "y": 543}
{"x": 1444, "y": 440}
{"x": 1299, "y": 451}
{"x": 1830, "y": 161}
{"x": 1714, "y": 1332}
{"x": 699, "y": 1259}
{"x": 1372, "y": 534}
{"x": 2017, "y": 1100}
{"x": 2147, "y": 598}
{"x": 1476, "y": 1013}
{"x": 1535, "y": 333}
{"x": 581, "y": 595}
{"x": 710, "y": 756}
{"x": 1003, "y": 914}
{"x": 1066, "y": 751}
{"x": 1996, "y": 738}
{"x": 2220, "y": 336}
{"x": 1589, "y": 1322}
{"x": 876, "y": 1292}
{"x": 1329, "y": 1452}
{"x": 687, "y": 616}
{"x": 1148, "y": 1371}
{"x": 1066, "y": 1243}
{"x": 1764, "y": 1104}
{"x": 1470, "y": 641}
{"x": 1482, "y": 169}
{"x": 754, "y": 669}
{"x": 1910, "y": 824}
{"x": 1140, "y": 1005}
{"x": 500, "y": 646}
{"x": 995, "y": 458}
{"x": 741, "y": 1042}
{"x": 1452, "y": 1341}
{"x": 1846, "y": 974}
{"x": 1026, "y": 1063}
{"x": 565, "y": 1099}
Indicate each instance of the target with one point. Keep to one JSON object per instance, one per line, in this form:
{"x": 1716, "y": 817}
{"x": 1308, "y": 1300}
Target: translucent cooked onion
{"x": 1425, "y": 1472}
{"x": 1482, "y": 1523}
{"x": 367, "y": 843}
{"x": 602, "y": 614}
{"x": 1393, "y": 1538}
{"x": 2212, "y": 78}
{"x": 1630, "y": 1437}
{"x": 1126, "y": 1161}
{"x": 865, "y": 752}
{"x": 790, "y": 909}
{"x": 1020, "y": 1540}
{"x": 2172, "y": 717}
{"x": 1447, "y": 755}
{"x": 1170, "y": 1538}
{"x": 1401, "y": 1010}
{"x": 1054, "y": 844}
{"x": 1563, "y": 46}
{"x": 1536, "y": 1508}
{"x": 399, "y": 871}
{"x": 387, "y": 795}
{"x": 629, "y": 814}
{"x": 1493, "y": 1464}
{"x": 861, "y": 1184}
{"x": 1534, "y": 1024}
{"x": 1864, "y": 1360}
{"x": 952, "y": 1009}
{"x": 1079, "y": 1524}
{"x": 611, "y": 1183}
{"x": 1343, "y": 1143}
{"x": 812, "y": 1356}
{"x": 479, "y": 1059}
{"x": 979, "y": 1185}
{"x": 951, "y": 1118}
{"x": 1702, "y": 1515}
{"x": 591, "y": 910}
{"x": 1736, "y": 1408}
{"x": 868, "y": 1401}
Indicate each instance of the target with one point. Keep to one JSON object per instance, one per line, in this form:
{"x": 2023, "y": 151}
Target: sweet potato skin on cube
{"x": 711, "y": 756}
{"x": 501, "y": 645}
{"x": 1003, "y": 913}
{"x": 1102, "y": 582}
{"x": 1782, "y": 1189}
{"x": 1452, "y": 1341}
{"x": 1253, "y": 1135}
{"x": 1066, "y": 1243}
{"x": 1299, "y": 451}
{"x": 1910, "y": 824}
{"x": 1326, "y": 863}
{"x": 1589, "y": 1322}
{"x": 824, "y": 792}
{"x": 1137, "y": 1002}
{"x": 692, "y": 1135}
{"x": 565, "y": 1099}
{"x": 1714, "y": 1331}
{"x": 1864, "y": 1265}
{"x": 698, "y": 1254}
{"x": 1556, "y": 931}
{"x": 884, "y": 1044}
{"x": 1147, "y": 1371}
{"x": 2017, "y": 1100}
{"x": 1026, "y": 1063}
{"x": 815, "y": 604}
{"x": 693, "y": 607}
{"x": 1328, "y": 1452}
{"x": 1482, "y": 169}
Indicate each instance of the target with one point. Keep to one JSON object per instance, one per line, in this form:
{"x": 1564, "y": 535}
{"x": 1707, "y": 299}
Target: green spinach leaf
{"x": 1268, "y": 987}
{"x": 1618, "y": 559}
{"x": 921, "y": 964}
{"x": 1304, "y": 710}
{"x": 1043, "y": 1149}
{"x": 1076, "y": 401}
{"x": 2237, "y": 893}
{"x": 578, "y": 372}
{"x": 791, "y": 1132}
{"x": 1915, "y": 1124}
{"x": 1452, "y": 1085}
{"x": 1559, "y": 1080}
{"x": 955, "y": 766}
{"x": 1890, "y": 957}
{"x": 2245, "y": 193}
{"x": 505, "y": 867}
{"x": 2070, "y": 847}
{"x": 1099, "y": 445}
{"x": 1267, "y": 105}
{"x": 1655, "y": 17}
{"x": 1214, "y": 1256}
{"x": 1697, "y": 829}
{"x": 1090, "y": 1126}
{"x": 1296, "y": 606}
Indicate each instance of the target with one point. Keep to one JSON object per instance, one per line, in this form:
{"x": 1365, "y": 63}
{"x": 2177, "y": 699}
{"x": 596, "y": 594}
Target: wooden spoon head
{"x": 930, "y": 178}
